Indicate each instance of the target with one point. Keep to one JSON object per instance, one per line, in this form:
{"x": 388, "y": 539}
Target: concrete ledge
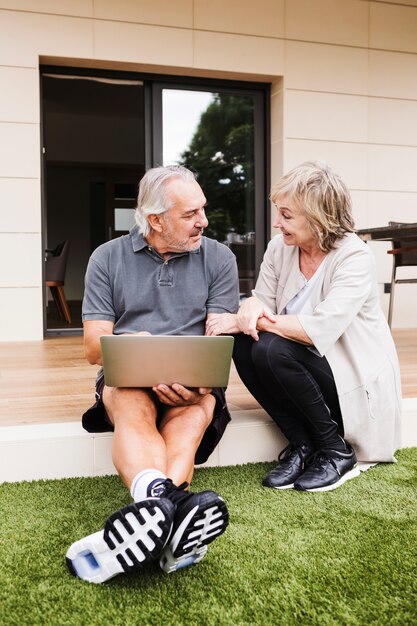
{"x": 65, "y": 450}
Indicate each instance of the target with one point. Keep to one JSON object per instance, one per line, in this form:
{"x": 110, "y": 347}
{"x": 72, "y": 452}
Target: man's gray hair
{"x": 152, "y": 196}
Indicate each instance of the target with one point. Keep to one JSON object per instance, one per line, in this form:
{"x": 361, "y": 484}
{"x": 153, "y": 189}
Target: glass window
{"x": 213, "y": 134}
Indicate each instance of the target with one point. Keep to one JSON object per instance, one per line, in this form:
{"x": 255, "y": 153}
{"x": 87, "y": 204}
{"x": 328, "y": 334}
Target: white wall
{"x": 344, "y": 89}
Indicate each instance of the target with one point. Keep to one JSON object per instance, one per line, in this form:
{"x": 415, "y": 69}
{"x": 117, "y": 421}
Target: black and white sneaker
{"x": 132, "y": 537}
{"x": 328, "y": 469}
{"x": 199, "y": 519}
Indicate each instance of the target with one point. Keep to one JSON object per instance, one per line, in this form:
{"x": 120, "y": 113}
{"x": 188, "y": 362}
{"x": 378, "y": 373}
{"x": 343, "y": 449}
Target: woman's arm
{"x": 250, "y": 313}
{"x": 286, "y": 326}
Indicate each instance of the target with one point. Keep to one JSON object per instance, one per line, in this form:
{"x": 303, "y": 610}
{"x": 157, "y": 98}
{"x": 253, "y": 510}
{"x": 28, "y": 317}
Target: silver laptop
{"x": 146, "y": 361}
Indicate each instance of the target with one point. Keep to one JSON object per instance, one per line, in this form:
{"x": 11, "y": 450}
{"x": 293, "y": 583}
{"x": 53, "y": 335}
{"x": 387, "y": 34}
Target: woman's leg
{"x": 271, "y": 398}
{"x": 290, "y": 370}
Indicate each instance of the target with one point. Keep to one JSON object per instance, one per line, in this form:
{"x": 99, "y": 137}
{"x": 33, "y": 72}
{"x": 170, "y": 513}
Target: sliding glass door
{"x": 219, "y": 135}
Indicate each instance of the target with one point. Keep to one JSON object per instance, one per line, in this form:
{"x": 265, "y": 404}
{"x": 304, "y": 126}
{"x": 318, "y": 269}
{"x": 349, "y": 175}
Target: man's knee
{"x": 195, "y": 418}
{"x": 128, "y": 403}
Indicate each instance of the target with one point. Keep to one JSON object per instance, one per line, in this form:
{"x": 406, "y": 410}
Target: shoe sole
{"x": 291, "y": 486}
{"x": 132, "y": 537}
{"x": 206, "y": 521}
{"x": 353, "y": 473}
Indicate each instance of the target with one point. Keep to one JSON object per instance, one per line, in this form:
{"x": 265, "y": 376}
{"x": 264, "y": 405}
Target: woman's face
{"x": 293, "y": 224}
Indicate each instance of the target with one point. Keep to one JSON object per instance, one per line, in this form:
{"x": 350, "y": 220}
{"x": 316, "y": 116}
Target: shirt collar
{"x": 138, "y": 241}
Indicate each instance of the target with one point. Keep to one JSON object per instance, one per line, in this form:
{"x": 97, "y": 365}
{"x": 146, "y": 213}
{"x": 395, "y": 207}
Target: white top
{"x": 302, "y": 301}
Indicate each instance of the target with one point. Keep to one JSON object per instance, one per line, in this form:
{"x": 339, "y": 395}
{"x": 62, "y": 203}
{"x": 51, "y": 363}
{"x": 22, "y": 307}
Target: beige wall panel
{"x": 79, "y": 8}
{"x": 21, "y": 255}
{"x": 360, "y": 208}
{"x": 326, "y": 68}
{"x": 393, "y": 121}
{"x": 392, "y": 74}
{"x": 21, "y": 313}
{"x": 160, "y": 12}
{"x": 264, "y": 17}
{"x": 238, "y": 53}
{"x": 385, "y": 206}
{"x": 349, "y": 160}
{"x": 327, "y": 21}
{"x": 19, "y": 88}
{"x": 143, "y": 44}
{"x": 19, "y": 150}
{"x": 392, "y": 168}
{"x": 20, "y": 205}
{"x": 277, "y": 161}
{"x": 25, "y": 36}
{"x": 277, "y": 171}
{"x": 393, "y": 27}
{"x": 277, "y": 116}
{"x": 325, "y": 116}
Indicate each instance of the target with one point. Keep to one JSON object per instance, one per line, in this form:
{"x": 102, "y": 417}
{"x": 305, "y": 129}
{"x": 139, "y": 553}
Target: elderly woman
{"x": 314, "y": 347}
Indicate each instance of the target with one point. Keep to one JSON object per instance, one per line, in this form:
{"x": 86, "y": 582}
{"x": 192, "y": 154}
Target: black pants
{"x": 294, "y": 385}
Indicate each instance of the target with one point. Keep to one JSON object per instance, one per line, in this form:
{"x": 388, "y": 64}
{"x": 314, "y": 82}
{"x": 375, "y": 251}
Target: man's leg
{"x": 194, "y": 519}
{"x": 137, "y": 533}
{"x": 182, "y": 429}
{"x": 137, "y": 444}
{"x": 200, "y": 517}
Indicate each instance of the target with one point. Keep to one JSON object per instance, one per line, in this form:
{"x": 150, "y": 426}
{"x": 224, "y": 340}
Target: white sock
{"x": 147, "y": 478}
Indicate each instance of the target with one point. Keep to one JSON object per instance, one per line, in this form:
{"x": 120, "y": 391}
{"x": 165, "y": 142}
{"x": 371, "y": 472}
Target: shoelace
{"x": 285, "y": 454}
{"x": 175, "y": 493}
{"x": 317, "y": 457}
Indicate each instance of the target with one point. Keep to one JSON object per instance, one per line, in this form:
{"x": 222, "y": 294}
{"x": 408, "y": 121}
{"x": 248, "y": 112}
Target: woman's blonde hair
{"x": 323, "y": 197}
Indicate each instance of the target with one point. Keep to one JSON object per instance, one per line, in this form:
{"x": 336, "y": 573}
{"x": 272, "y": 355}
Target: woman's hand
{"x": 221, "y": 324}
{"x": 249, "y": 313}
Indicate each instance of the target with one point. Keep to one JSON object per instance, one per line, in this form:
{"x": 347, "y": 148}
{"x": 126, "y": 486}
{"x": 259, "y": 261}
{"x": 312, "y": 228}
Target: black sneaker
{"x": 327, "y": 470}
{"x": 291, "y": 465}
{"x": 132, "y": 537}
{"x": 199, "y": 519}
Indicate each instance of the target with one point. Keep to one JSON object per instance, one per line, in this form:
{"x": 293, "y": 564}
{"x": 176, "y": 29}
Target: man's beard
{"x": 184, "y": 245}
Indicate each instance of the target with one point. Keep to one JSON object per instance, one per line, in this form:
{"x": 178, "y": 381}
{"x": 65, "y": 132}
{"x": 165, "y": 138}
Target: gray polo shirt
{"x": 129, "y": 283}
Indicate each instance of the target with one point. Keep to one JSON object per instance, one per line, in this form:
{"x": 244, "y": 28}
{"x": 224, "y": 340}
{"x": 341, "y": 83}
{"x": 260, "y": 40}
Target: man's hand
{"x": 221, "y": 324}
{"x": 178, "y": 395}
{"x": 249, "y": 313}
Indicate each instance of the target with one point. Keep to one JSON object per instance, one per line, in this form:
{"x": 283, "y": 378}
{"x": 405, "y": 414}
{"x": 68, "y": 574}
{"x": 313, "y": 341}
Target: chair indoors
{"x": 404, "y": 254}
{"x": 55, "y": 268}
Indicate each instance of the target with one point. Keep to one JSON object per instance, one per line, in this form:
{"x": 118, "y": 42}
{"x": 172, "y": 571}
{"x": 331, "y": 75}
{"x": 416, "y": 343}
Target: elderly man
{"x": 164, "y": 277}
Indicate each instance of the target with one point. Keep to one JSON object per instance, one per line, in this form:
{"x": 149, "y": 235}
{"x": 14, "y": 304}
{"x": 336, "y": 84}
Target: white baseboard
{"x": 49, "y": 451}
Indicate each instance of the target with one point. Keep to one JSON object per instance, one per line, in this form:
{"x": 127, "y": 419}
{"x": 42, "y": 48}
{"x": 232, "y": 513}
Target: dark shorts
{"x": 95, "y": 420}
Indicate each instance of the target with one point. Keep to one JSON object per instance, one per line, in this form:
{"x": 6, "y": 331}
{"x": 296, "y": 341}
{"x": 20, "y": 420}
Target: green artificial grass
{"x": 342, "y": 557}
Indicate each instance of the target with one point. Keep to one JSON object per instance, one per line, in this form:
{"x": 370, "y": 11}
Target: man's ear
{"x": 155, "y": 222}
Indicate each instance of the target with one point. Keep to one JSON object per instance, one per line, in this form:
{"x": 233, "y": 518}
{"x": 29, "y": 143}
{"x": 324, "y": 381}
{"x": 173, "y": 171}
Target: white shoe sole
{"x": 291, "y": 486}
{"x": 353, "y": 473}
{"x": 132, "y": 537}
{"x": 202, "y": 524}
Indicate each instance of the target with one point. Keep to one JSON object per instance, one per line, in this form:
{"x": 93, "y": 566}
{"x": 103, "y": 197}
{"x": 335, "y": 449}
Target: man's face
{"x": 183, "y": 224}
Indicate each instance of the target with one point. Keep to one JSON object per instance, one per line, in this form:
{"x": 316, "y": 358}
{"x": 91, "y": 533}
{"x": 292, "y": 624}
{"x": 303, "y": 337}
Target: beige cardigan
{"x": 348, "y": 328}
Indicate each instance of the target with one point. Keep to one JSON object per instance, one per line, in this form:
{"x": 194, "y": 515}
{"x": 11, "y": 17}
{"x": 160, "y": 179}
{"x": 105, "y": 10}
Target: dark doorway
{"x": 102, "y": 130}
{"x": 94, "y": 156}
